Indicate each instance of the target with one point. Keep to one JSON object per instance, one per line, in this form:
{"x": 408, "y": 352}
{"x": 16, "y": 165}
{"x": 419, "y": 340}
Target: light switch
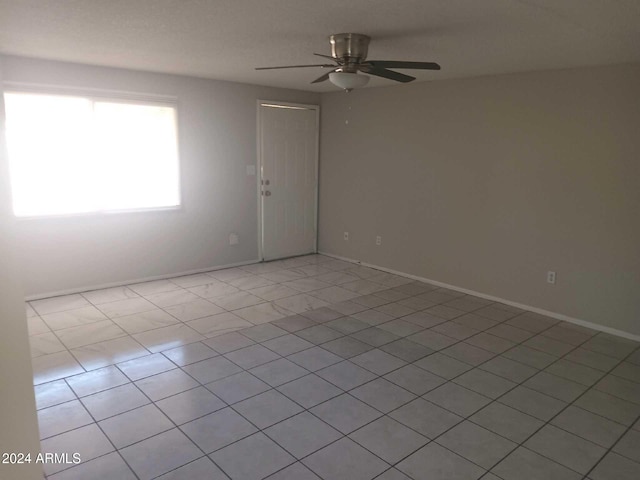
{"x": 251, "y": 170}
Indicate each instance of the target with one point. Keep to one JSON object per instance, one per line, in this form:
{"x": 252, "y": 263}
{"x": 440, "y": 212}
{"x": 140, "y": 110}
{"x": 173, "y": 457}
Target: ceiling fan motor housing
{"x": 349, "y": 48}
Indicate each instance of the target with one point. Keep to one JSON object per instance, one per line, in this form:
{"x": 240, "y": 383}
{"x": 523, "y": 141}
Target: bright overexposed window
{"x": 71, "y": 155}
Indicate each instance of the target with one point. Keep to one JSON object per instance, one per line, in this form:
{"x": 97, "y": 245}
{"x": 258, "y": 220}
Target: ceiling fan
{"x": 349, "y": 52}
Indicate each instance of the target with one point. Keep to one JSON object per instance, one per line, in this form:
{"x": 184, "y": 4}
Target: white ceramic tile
{"x": 141, "y": 322}
{"x": 337, "y": 278}
{"x": 285, "y": 275}
{"x": 192, "y": 353}
{"x": 363, "y": 287}
{"x": 107, "y": 295}
{"x": 234, "y": 301}
{"x": 218, "y": 324}
{"x": 434, "y": 461}
{"x": 37, "y": 326}
{"x": 59, "y": 304}
{"x": 201, "y": 469}
{"x": 166, "y": 338}
{"x": 252, "y": 458}
{"x": 229, "y": 274}
{"x": 156, "y": 286}
{"x": 96, "y": 381}
{"x": 192, "y": 280}
{"x": 174, "y": 297}
{"x": 263, "y": 313}
{"x": 54, "y": 366}
{"x": 135, "y": 425}
{"x": 313, "y": 270}
{"x": 362, "y": 272}
{"x": 303, "y": 434}
{"x": 165, "y": 384}
{"x": 334, "y": 294}
{"x": 146, "y": 366}
{"x": 121, "y": 308}
{"x": 248, "y": 283}
{"x": 62, "y": 418}
{"x": 215, "y": 289}
{"x": 193, "y": 310}
{"x": 114, "y": 401}
{"x": 160, "y": 454}
{"x": 101, "y": 354}
{"x": 390, "y": 280}
{"x": 300, "y": 303}
{"x": 29, "y": 310}
{"x": 345, "y": 460}
{"x": 273, "y": 292}
{"x": 53, "y": 393}
{"x": 73, "y": 318}
{"x": 306, "y": 284}
{"x": 388, "y": 439}
{"x": 190, "y": 405}
{"x": 44, "y": 344}
{"x": 107, "y": 466}
{"x": 88, "y": 441}
{"x": 75, "y": 337}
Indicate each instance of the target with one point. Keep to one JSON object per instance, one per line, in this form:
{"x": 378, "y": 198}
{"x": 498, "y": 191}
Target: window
{"x": 73, "y": 155}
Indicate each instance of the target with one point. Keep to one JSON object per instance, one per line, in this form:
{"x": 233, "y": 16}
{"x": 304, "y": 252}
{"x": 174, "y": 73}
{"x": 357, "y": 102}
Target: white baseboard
{"x": 89, "y": 288}
{"x": 529, "y": 308}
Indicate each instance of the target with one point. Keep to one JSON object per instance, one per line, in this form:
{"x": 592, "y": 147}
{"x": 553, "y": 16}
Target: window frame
{"x": 112, "y": 96}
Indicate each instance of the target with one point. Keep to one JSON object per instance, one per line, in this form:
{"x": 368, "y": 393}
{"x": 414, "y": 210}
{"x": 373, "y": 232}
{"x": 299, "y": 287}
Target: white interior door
{"x": 288, "y": 150}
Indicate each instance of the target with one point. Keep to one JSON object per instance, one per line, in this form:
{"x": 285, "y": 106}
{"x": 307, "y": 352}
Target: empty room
{"x": 317, "y": 240}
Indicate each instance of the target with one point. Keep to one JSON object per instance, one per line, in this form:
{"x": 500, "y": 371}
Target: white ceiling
{"x": 226, "y": 39}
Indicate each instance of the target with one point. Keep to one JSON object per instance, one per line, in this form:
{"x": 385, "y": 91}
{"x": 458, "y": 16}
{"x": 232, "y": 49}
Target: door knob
{"x": 267, "y": 193}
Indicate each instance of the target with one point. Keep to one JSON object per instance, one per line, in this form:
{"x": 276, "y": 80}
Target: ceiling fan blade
{"x": 323, "y": 78}
{"x": 390, "y": 74}
{"x": 410, "y": 65}
{"x": 326, "y": 56}
{"x": 297, "y": 66}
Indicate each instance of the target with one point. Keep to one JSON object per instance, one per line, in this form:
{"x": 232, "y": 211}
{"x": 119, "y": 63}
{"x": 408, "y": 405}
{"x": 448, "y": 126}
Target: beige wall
{"x": 18, "y": 423}
{"x": 488, "y": 183}
{"x": 217, "y": 128}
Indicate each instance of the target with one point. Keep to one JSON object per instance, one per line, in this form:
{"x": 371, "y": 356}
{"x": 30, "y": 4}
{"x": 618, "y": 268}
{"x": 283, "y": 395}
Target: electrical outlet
{"x": 551, "y": 277}
{"x": 346, "y": 235}
{"x": 234, "y": 239}
{"x": 378, "y": 240}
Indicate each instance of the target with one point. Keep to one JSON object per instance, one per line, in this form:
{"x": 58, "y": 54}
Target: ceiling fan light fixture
{"x": 348, "y": 81}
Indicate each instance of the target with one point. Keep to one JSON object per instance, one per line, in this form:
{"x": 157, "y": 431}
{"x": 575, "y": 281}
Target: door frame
{"x": 281, "y": 104}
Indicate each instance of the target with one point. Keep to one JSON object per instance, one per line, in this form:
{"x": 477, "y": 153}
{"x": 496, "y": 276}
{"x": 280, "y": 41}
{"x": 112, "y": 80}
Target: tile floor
{"x": 314, "y": 368}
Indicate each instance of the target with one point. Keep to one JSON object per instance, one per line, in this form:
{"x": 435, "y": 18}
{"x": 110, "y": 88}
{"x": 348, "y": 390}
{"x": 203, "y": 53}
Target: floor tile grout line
{"x": 129, "y": 334}
{"x": 263, "y": 392}
{"x": 362, "y": 426}
{"x": 557, "y": 358}
{"x": 310, "y": 347}
{"x": 548, "y": 422}
{"x": 186, "y": 464}
{"x": 303, "y": 411}
{"x": 160, "y": 433}
{"x": 347, "y": 436}
{"x": 629, "y": 427}
{"x": 494, "y": 400}
{"x": 467, "y": 418}
{"x": 95, "y": 422}
{"x": 412, "y": 362}
{"x": 611, "y": 449}
{"x": 66, "y": 350}
{"x": 143, "y": 296}
{"x": 225, "y": 357}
